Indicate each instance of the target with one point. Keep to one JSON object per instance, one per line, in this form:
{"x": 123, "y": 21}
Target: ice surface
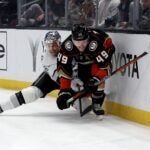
{"x": 41, "y": 126}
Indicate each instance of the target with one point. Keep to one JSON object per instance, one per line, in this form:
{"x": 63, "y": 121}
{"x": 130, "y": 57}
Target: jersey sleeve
{"x": 100, "y": 72}
{"x": 104, "y": 54}
{"x": 102, "y": 65}
{"x": 64, "y": 70}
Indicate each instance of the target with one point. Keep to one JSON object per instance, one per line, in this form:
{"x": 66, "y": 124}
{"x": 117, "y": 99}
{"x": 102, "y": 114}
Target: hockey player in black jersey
{"x": 90, "y": 51}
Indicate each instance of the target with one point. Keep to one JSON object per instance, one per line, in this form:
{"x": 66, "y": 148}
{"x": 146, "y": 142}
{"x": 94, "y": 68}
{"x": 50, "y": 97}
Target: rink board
{"x": 128, "y": 93}
{"x": 130, "y": 113}
{"x": 18, "y": 85}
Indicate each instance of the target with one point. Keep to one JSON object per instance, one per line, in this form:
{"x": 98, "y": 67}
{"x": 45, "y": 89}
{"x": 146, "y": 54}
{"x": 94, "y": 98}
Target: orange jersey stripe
{"x": 97, "y": 72}
{"x": 65, "y": 83}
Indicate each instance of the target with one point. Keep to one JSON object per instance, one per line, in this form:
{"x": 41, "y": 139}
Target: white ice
{"x": 41, "y": 126}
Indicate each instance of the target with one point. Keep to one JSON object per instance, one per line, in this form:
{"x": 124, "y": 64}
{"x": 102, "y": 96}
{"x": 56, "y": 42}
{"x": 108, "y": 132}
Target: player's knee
{"x": 45, "y": 83}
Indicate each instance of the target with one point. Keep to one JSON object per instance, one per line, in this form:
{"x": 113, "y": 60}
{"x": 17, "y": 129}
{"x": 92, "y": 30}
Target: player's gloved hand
{"x": 62, "y": 98}
{"x": 92, "y": 84}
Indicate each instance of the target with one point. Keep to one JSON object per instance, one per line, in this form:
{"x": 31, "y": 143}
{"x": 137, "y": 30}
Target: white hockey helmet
{"x": 52, "y": 36}
{"x": 52, "y": 42}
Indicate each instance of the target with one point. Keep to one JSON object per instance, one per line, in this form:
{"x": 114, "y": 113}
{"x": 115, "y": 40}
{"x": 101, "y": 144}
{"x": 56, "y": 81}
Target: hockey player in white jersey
{"x": 47, "y": 80}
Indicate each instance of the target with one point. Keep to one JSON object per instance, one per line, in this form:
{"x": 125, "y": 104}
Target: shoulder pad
{"x": 107, "y": 43}
{"x": 93, "y": 45}
{"x": 68, "y": 45}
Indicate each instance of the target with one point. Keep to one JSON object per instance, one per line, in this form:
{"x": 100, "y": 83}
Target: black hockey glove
{"x": 62, "y": 98}
{"x": 92, "y": 84}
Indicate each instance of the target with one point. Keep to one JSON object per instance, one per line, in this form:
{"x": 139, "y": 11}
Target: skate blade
{"x": 99, "y": 117}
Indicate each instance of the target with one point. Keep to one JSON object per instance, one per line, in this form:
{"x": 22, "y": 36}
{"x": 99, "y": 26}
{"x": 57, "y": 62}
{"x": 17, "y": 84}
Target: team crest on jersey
{"x": 93, "y": 45}
{"x": 68, "y": 45}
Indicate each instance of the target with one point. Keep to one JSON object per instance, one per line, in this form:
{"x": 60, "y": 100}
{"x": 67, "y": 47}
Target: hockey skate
{"x": 98, "y": 110}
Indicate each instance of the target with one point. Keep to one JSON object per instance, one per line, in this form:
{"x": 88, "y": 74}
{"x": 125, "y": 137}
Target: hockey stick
{"x": 84, "y": 92}
{"x": 86, "y": 110}
{"x": 80, "y": 103}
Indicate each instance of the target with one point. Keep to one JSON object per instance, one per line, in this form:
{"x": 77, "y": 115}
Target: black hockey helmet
{"x": 79, "y": 32}
{"x": 52, "y": 36}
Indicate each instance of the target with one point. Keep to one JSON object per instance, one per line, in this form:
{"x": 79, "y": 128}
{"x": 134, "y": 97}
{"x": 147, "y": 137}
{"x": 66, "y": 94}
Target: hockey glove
{"x": 92, "y": 84}
{"x": 63, "y": 96}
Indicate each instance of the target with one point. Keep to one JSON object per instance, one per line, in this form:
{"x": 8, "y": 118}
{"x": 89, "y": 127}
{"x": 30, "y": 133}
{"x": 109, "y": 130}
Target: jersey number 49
{"x": 62, "y": 58}
{"x": 102, "y": 56}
